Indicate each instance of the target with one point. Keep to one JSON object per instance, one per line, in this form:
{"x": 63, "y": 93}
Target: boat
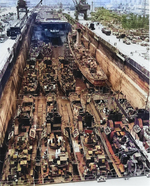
{"x": 86, "y": 63}
{"x": 54, "y": 162}
{"x": 65, "y": 76}
{"x": 47, "y": 76}
{"x": 117, "y": 133}
{"x": 140, "y": 131}
{"x": 65, "y": 71}
{"x": 88, "y": 149}
{"x": 22, "y": 143}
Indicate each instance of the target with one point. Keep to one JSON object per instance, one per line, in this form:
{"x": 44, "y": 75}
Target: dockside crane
{"x": 21, "y": 7}
{"x": 81, "y": 7}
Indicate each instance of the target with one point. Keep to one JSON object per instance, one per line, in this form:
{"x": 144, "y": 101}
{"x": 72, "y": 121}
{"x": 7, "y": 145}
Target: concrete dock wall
{"x": 9, "y": 96}
{"x": 121, "y": 75}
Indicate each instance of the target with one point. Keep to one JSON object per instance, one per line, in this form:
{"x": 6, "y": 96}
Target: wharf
{"x": 135, "y": 52}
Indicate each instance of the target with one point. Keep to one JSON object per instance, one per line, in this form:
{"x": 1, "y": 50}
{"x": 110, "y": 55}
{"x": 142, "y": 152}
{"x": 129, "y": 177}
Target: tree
{"x": 124, "y": 21}
{"x": 128, "y": 21}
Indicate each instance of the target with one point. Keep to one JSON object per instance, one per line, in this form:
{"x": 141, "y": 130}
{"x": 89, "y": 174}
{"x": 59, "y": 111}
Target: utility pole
{"x": 144, "y": 8}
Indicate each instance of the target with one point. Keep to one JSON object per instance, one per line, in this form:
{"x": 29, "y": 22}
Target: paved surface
{"x": 8, "y": 43}
{"x": 138, "y": 181}
{"x": 4, "y": 52}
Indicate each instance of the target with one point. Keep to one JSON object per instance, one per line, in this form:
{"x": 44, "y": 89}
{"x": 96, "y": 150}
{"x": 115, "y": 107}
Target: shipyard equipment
{"x": 22, "y": 7}
{"x": 81, "y": 7}
{"x": 13, "y": 32}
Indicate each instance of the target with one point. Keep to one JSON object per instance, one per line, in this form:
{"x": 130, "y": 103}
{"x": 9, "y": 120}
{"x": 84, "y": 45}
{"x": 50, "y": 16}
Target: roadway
{"x": 138, "y": 181}
{"x": 5, "y": 50}
{"x": 6, "y": 46}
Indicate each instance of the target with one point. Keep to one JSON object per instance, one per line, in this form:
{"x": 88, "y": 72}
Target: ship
{"x": 56, "y": 134}
{"x": 22, "y": 144}
{"x": 36, "y": 145}
{"x": 39, "y": 73}
{"x": 93, "y": 162}
{"x": 54, "y": 162}
{"x": 65, "y": 71}
{"x": 130, "y": 159}
{"x": 88, "y": 66}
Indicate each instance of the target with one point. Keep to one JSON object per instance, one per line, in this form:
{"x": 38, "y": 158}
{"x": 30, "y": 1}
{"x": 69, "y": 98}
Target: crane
{"x": 22, "y": 7}
{"x": 81, "y": 7}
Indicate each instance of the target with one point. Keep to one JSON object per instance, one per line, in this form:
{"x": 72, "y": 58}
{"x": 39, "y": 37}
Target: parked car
{"x": 121, "y": 35}
{"x": 106, "y": 31}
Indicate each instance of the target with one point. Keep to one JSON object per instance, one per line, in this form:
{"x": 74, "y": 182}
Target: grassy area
{"x": 105, "y": 15}
{"x": 135, "y": 21}
{"x": 129, "y": 21}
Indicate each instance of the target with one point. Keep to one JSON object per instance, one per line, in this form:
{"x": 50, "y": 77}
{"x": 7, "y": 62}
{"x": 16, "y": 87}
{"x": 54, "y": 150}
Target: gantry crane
{"x": 81, "y": 7}
{"x": 22, "y": 7}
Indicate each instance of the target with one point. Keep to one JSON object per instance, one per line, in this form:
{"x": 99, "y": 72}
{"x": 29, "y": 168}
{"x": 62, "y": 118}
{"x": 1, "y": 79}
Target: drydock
{"x": 60, "y": 127}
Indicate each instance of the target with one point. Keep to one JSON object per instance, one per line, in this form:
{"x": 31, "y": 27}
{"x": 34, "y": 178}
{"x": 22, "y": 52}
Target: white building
{"x": 130, "y": 6}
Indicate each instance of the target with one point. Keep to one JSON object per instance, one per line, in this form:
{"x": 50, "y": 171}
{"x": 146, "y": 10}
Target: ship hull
{"x": 95, "y": 76}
